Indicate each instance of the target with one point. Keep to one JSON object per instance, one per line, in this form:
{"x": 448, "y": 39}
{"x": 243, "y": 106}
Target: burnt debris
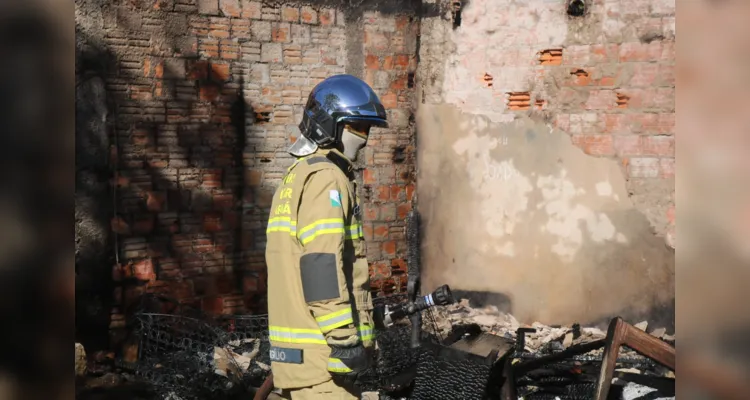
{"x": 464, "y": 352}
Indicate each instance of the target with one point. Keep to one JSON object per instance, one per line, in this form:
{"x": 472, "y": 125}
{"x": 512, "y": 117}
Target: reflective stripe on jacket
{"x": 316, "y": 257}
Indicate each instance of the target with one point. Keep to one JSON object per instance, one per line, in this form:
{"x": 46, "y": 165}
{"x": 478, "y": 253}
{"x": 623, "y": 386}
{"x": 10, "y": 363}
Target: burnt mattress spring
{"x": 447, "y": 374}
{"x": 396, "y": 362}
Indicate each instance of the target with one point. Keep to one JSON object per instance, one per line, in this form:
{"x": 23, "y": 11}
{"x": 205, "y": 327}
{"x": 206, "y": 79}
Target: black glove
{"x": 354, "y": 360}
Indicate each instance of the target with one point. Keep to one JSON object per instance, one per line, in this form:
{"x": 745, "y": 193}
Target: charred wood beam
{"x": 621, "y": 333}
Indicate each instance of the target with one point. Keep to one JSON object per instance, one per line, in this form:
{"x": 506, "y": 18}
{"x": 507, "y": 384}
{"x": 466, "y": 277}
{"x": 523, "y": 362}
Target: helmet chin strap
{"x": 351, "y": 143}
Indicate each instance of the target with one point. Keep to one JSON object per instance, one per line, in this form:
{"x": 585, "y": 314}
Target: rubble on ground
{"x": 545, "y": 339}
{"x": 231, "y": 362}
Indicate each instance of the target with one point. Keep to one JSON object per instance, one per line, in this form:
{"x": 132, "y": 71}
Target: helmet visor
{"x": 302, "y": 147}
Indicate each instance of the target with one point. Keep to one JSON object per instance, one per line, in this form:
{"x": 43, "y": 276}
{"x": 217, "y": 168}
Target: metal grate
{"x": 198, "y": 357}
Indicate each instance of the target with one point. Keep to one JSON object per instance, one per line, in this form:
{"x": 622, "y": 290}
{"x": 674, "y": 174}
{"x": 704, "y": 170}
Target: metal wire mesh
{"x": 198, "y": 357}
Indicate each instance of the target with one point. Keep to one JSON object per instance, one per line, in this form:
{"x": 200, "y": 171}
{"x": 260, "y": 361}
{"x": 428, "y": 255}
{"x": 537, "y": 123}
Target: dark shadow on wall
{"x": 176, "y": 216}
{"x": 94, "y": 206}
{"x": 485, "y": 298}
{"x": 182, "y": 209}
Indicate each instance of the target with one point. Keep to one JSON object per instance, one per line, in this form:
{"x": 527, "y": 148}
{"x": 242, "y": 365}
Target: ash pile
{"x": 556, "y": 362}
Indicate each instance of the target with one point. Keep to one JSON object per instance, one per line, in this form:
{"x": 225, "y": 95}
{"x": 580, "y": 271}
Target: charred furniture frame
{"x": 619, "y": 333}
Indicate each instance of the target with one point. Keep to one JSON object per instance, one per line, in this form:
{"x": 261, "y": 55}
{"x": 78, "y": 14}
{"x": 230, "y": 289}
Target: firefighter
{"x": 319, "y": 303}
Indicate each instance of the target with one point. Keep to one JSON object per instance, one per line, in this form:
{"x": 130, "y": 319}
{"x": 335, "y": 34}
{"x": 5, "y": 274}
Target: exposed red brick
{"x": 384, "y": 193}
{"x": 399, "y": 83}
{"x": 147, "y": 67}
{"x": 376, "y": 41}
{"x": 607, "y": 81}
{"x": 380, "y": 270}
{"x": 605, "y": 53}
{"x": 628, "y": 145}
{"x": 155, "y": 201}
{"x": 369, "y": 176}
{"x": 389, "y": 100}
{"x": 222, "y": 33}
{"x": 220, "y": 72}
{"x": 252, "y": 9}
{"x": 186, "y": 204}
{"x": 388, "y": 212}
{"x": 368, "y": 231}
{"x": 551, "y": 57}
{"x": 223, "y": 201}
{"x": 622, "y": 100}
{"x": 409, "y": 192}
{"x": 144, "y": 270}
{"x": 372, "y": 61}
{"x": 389, "y": 248}
{"x": 327, "y": 16}
{"x": 230, "y": 8}
{"x": 401, "y": 22}
{"x": 487, "y": 80}
{"x": 209, "y": 92}
{"x": 396, "y": 191}
{"x": 371, "y": 212}
{"x": 159, "y": 70}
{"x": 388, "y": 63}
{"x": 380, "y": 232}
{"x": 398, "y": 265}
{"x": 602, "y": 100}
{"x": 658, "y": 146}
{"x": 213, "y": 305}
{"x": 309, "y": 16}
{"x": 638, "y": 51}
{"x": 403, "y": 210}
{"x": 597, "y": 145}
{"x": 212, "y": 222}
{"x": 280, "y": 33}
{"x": 518, "y": 101}
{"x": 402, "y": 61}
{"x": 581, "y": 77}
{"x": 290, "y": 14}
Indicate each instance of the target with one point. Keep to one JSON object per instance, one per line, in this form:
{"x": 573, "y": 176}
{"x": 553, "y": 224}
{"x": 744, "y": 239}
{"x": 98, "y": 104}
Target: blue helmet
{"x": 337, "y": 100}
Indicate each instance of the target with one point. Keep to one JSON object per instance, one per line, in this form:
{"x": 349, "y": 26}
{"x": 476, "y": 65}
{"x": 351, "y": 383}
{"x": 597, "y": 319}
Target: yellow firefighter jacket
{"x": 318, "y": 279}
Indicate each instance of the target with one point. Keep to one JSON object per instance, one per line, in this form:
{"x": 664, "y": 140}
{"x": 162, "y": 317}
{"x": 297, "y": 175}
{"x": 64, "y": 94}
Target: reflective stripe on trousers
{"x": 335, "y": 365}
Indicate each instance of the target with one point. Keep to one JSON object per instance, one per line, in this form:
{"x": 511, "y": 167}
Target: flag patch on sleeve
{"x": 335, "y": 198}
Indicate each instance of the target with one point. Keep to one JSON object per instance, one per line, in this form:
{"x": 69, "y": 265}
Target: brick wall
{"x": 505, "y": 193}
{"x": 388, "y": 181}
{"x": 204, "y": 98}
{"x": 606, "y": 78}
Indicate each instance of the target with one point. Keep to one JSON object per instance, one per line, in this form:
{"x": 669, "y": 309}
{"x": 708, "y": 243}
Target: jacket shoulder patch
{"x": 335, "y": 198}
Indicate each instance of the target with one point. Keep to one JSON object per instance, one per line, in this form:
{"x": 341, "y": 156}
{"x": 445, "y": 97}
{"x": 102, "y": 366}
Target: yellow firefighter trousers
{"x": 324, "y": 391}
